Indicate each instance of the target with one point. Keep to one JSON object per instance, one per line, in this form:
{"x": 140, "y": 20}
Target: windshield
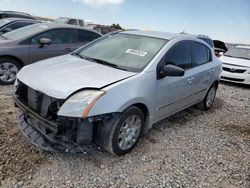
{"x": 24, "y": 31}
{"x": 61, "y": 20}
{"x": 243, "y": 53}
{"x": 124, "y": 51}
{"x": 4, "y": 22}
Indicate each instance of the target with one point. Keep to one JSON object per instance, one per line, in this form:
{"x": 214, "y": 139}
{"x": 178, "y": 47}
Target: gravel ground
{"x": 190, "y": 149}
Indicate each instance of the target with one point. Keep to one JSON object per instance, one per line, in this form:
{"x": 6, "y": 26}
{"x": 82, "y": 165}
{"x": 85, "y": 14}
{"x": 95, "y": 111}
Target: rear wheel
{"x": 125, "y": 132}
{"x": 208, "y": 101}
{"x": 8, "y": 70}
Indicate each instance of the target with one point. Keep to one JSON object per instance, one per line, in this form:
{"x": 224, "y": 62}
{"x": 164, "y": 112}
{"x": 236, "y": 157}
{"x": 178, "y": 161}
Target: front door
{"x": 63, "y": 41}
{"x": 175, "y": 92}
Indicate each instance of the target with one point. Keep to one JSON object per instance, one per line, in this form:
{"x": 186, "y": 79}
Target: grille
{"x": 233, "y": 70}
{"x": 233, "y": 79}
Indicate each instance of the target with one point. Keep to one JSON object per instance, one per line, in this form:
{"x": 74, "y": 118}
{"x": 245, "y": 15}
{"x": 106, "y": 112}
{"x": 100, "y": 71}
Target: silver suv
{"x": 110, "y": 92}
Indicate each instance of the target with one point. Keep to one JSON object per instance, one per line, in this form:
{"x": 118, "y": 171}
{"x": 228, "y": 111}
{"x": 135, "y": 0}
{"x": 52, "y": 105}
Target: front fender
{"x": 119, "y": 96}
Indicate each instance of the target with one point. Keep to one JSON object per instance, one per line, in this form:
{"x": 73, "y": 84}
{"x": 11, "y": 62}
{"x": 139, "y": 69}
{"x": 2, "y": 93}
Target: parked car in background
{"x": 36, "y": 42}
{"x": 15, "y": 14}
{"x": 236, "y": 65}
{"x": 70, "y": 21}
{"x": 112, "y": 91}
{"x": 11, "y": 24}
{"x": 103, "y": 29}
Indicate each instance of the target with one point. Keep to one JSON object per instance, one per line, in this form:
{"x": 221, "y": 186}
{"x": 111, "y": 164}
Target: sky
{"x": 226, "y": 20}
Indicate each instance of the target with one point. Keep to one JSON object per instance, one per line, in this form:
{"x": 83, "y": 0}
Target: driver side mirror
{"x": 44, "y": 41}
{"x": 171, "y": 70}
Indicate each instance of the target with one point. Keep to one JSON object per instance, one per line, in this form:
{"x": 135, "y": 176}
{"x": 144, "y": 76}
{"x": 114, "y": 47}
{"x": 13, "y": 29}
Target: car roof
{"x": 159, "y": 34}
{"x": 70, "y": 18}
{"x": 14, "y": 12}
{"x": 11, "y": 19}
{"x": 57, "y": 26}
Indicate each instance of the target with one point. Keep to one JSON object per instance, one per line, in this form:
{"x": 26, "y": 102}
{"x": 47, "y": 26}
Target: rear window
{"x": 86, "y": 36}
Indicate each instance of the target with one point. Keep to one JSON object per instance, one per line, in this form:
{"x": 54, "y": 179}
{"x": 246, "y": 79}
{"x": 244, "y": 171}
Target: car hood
{"x": 4, "y": 42}
{"x": 235, "y": 61}
{"x": 61, "y": 76}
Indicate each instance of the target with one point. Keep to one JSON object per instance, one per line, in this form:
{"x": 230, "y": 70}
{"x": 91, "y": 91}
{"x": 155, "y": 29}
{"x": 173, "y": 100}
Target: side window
{"x": 180, "y": 55}
{"x": 201, "y": 53}
{"x": 80, "y": 22}
{"x": 73, "y": 22}
{"x": 57, "y": 36}
{"x": 18, "y": 25}
{"x": 86, "y": 36}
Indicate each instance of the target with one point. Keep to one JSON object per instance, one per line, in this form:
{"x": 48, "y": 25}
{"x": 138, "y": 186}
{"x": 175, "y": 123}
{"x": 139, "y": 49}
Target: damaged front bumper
{"x": 53, "y": 136}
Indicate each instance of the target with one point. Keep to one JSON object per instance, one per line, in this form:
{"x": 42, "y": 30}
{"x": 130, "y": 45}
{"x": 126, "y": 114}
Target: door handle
{"x": 190, "y": 80}
{"x": 211, "y": 71}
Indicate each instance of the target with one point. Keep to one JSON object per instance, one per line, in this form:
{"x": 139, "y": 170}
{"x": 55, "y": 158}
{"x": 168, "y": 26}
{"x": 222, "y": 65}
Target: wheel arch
{"x": 13, "y": 57}
{"x": 145, "y": 110}
{"x": 216, "y": 83}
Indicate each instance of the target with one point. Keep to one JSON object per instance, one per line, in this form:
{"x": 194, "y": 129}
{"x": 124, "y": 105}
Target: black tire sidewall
{"x": 116, "y": 128}
{"x": 205, "y": 100}
{"x": 14, "y": 62}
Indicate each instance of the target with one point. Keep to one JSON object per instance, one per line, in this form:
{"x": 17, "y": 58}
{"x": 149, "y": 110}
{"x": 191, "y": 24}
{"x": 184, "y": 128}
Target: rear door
{"x": 175, "y": 92}
{"x": 203, "y": 69}
{"x": 62, "y": 42}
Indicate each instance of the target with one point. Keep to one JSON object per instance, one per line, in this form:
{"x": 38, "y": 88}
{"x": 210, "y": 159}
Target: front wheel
{"x": 125, "y": 132}
{"x": 8, "y": 71}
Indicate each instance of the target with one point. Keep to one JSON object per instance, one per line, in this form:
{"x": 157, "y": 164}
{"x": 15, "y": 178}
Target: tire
{"x": 123, "y": 132}
{"x": 208, "y": 101}
{"x": 8, "y": 70}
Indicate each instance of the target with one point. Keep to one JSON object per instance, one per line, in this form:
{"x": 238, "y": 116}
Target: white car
{"x": 236, "y": 65}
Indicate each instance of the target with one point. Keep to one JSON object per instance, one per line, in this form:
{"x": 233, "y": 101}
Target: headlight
{"x": 86, "y": 99}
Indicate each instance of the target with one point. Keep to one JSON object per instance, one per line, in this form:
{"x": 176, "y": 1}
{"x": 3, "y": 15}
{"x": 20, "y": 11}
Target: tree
{"x": 116, "y": 26}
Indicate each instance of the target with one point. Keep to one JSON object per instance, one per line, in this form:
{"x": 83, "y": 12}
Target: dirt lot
{"x": 190, "y": 149}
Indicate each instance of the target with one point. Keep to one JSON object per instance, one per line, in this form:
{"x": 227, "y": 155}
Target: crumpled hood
{"x": 61, "y": 76}
{"x": 235, "y": 61}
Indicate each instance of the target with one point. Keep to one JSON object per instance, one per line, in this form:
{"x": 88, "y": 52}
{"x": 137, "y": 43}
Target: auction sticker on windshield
{"x": 137, "y": 52}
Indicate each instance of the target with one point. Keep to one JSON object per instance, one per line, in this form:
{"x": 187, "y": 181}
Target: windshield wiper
{"x": 100, "y": 61}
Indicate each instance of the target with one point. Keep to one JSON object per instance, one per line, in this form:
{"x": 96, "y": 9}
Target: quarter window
{"x": 180, "y": 55}
{"x": 201, "y": 53}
